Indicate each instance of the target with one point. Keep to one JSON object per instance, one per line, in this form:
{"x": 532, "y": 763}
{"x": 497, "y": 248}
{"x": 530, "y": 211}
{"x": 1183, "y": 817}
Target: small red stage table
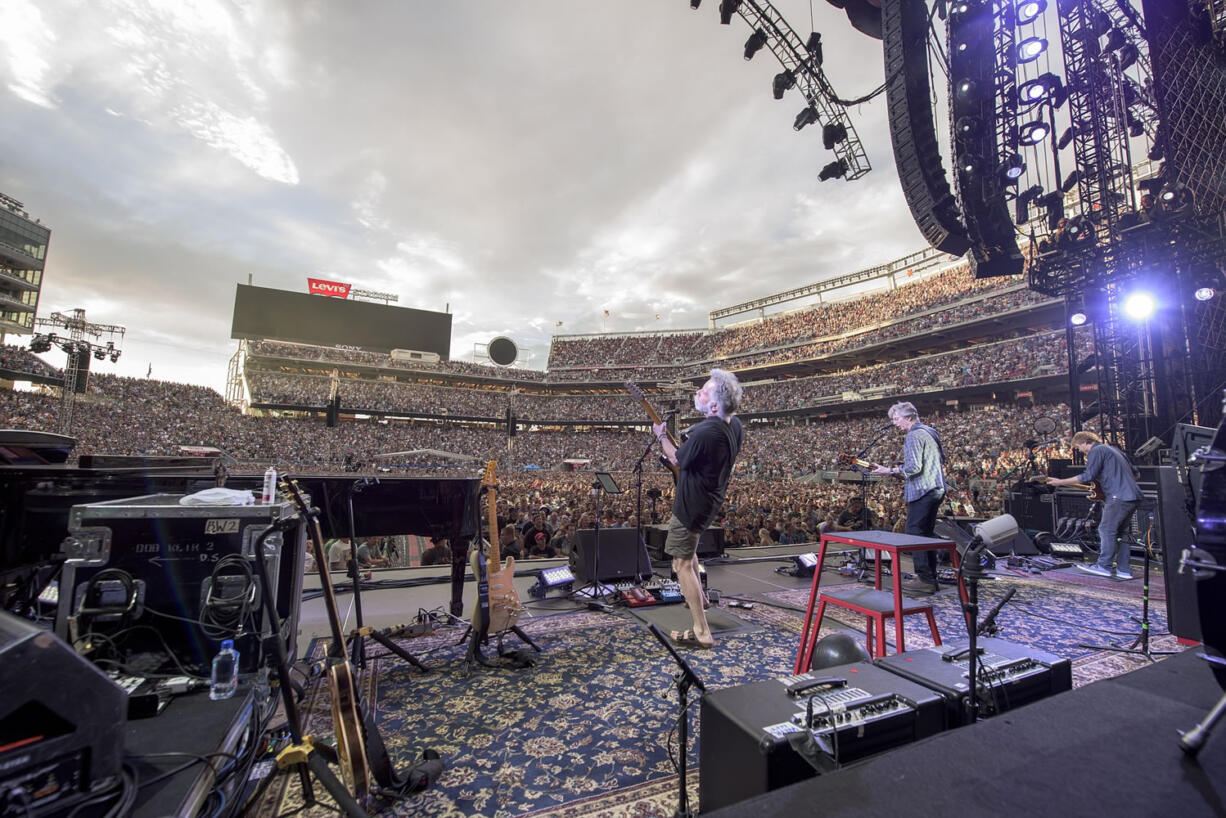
{"x": 880, "y": 541}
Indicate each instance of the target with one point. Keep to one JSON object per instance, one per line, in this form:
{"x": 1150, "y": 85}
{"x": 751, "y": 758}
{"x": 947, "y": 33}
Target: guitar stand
{"x": 302, "y": 755}
{"x": 476, "y": 639}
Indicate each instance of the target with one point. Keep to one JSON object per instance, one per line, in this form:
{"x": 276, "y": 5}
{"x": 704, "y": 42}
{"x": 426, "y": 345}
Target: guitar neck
{"x": 337, "y": 649}
{"x": 491, "y": 485}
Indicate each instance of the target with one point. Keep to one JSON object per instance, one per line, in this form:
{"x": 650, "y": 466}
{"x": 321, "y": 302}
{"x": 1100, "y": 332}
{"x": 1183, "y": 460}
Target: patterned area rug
{"x": 590, "y": 729}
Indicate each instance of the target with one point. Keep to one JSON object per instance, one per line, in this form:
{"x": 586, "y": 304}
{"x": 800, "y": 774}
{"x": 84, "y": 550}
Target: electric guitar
{"x": 863, "y": 464}
{"x": 638, "y": 395}
{"x": 346, "y": 706}
{"x": 1093, "y": 489}
{"x": 498, "y": 607}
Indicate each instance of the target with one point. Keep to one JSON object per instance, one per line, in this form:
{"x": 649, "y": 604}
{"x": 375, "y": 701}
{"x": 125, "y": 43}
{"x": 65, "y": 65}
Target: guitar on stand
{"x": 497, "y": 608}
{"x": 346, "y": 705}
{"x": 638, "y": 395}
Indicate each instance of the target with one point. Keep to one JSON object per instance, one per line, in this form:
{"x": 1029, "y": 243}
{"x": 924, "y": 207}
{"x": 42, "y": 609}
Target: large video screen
{"x": 261, "y": 312}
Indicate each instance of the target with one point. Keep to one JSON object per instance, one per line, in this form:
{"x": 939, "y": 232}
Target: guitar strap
{"x": 421, "y": 774}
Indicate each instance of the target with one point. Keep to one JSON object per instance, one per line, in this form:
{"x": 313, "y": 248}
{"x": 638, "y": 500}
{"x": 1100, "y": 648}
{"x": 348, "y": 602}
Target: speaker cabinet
{"x": 1173, "y": 528}
{"x": 610, "y": 555}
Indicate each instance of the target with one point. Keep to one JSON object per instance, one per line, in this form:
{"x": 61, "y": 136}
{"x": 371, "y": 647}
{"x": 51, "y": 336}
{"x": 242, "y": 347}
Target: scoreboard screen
{"x": 280, "y": 315}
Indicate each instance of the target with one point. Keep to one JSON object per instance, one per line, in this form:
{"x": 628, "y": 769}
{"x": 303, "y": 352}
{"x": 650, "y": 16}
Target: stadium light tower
{"x": 78, "y": 349}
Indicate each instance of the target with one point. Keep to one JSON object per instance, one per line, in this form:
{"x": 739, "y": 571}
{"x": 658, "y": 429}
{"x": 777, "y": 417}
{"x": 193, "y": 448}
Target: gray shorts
{"x": 681, "y": 543}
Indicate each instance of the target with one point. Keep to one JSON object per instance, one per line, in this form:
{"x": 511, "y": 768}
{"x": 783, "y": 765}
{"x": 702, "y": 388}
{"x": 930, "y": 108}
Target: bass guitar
{"x": 498, "y": 607}
{"x": 637, "y": 394}
{"x": 346, "y": 705}
{"x": 1093, "y": 489}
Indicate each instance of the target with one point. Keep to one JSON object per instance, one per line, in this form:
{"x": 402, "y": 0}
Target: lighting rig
{"x": 73, "y": 341}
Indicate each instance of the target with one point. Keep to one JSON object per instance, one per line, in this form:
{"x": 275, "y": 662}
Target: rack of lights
{"x": 78, "y": 348}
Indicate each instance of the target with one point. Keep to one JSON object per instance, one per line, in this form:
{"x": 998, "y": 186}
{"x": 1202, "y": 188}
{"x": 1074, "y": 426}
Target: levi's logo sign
{"x": 319, "y": 286}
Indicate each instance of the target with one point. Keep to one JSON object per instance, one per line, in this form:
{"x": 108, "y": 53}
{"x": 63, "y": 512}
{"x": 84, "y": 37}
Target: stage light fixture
{"x": 835, "y": 170}
{"x": 1065, "y": 138}
{"x": 1115, "y": 40}
{"x": 783, "y": 81}
{"x": 755, "y": 42}
{"x": 965, "y": 89}
{"x": 806, "y": 117}
{"x": 1013, "y": 168}
{"x": 99, "y": 354}
{"x": 115, "y": 357}
{"x": 1053, "y": 203}
{"x": 727, "y": 8}
{"x": 1207, "y": 284}
{"x": 814, "y": 46}
{"x": 1044, "y": 87}
{"x": 1026, "y": 198}
{"x": 832, "y": 134}
{"x": 1139, "y": 306}
{"x": 1070, "y": 181}
{"x": 968, "y": 125}
{"x": 1029, "y": 49}
{"x": 1204, "y": 293}
{"x": 1135, "y": 126}
{"x": 557, "y": 579}
{"x": 1078, "y": 317}
{"x": 959, "y": 8}
{"x": 1032, "y": 133}
{"x": 1029, "y": 10}
{"x": 695, "y": 3}
{"x": 1128, "y": 56}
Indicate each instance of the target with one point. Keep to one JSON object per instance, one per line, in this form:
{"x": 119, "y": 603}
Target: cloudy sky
{"x": 523, "y": 162}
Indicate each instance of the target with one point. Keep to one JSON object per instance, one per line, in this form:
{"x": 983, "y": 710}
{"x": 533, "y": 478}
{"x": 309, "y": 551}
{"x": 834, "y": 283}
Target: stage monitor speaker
{"x": 962, "y": 533}
{"x": 61, "y": 722}
{"x": 904, "y": 27}
{"x": 710, "y": 544}
{"x": 622, "y": 558}
{"x": 1175, "y": 533}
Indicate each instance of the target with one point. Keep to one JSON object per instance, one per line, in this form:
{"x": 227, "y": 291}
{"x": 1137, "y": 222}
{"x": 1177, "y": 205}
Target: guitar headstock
{"x": 634, "y": 391}
{"x": 487, "y": 480}
{"x": 291, "y": 488}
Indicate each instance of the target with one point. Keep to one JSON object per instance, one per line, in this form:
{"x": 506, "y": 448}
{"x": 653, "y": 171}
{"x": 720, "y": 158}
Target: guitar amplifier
{"x": 745, "y": 749}
{"x": 1010, "y": 675}
{"x": 710, "y": 542}
{"x": 150, "y": 561}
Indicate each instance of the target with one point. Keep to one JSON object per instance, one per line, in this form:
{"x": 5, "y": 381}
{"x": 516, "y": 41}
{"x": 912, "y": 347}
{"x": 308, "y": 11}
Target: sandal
{"x": 688, "y": 639}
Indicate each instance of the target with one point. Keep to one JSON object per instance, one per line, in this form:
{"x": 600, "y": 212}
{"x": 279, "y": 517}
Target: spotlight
{"x": 1139, "y": 306}
{"x": 99, "y": 354}
{"x": 695, "y": 3}
{"x": 806, "y": 117}
{"x": 783, "y": 81}
{"x": 727, "y": 8}
{"x": 1128, "y": 56}
{"x": 1071, "y": 181}
{"x": 1024, "y": 200}
{"x": 1204, "y": 293}
{"x": 1032, "y": 133}
{"x": 832, "y": 134}
{"x": 115, "y": 357}
{"x": 755, "y": 42}
{"x": 965, "y": 89}
{"x": 558, "y": 579}
{"x": 967, "y": 125}
{"x": 1207, "y": 284}
{"x": 1135, "y": 126}
{"x": 1029, "y": 49}
{"x": 1013, "y": 168}
{"x": 1115, "y": 40}
{"x": 1077, "y": 317}
{"x": 814, "y": 47}
{"x": 1053, "y": 203}
{"x": 1028, "y": 10}
{"x": 835, "y": 170}
{"x": 39, "y": 343}
{"x": 1046, "y": 86}
{"x": 1065, "y": 138}
{"x": 959, "y": 8}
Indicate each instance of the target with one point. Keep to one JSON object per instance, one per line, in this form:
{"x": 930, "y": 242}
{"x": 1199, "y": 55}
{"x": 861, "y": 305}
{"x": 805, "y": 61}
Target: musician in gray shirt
{"x": 923, "y": 471}
{"x": 1111, "y": 469}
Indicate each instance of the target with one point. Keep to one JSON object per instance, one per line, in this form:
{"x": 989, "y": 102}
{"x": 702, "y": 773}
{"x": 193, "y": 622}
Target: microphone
{"x": 1044, "y": 443}
{"x": 885, "y": 426}
{"x": 671, "y": 412}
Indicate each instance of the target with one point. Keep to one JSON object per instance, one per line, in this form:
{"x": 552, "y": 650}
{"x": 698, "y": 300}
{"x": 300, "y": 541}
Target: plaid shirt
{"x": 921, "y": 462}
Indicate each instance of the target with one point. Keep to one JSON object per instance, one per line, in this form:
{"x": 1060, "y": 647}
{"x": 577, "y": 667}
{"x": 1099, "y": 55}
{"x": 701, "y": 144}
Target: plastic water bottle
{"x": 225, "y": 672}
{"x": 270, "y": 485}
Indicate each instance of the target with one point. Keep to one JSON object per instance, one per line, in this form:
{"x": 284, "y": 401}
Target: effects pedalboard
{"x": 655, "y": 592}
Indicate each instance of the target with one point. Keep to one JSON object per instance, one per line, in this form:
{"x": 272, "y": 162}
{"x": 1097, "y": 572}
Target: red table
{"x": 881, "y": 541}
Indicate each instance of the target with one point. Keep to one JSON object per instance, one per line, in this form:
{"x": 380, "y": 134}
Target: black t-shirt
{"x": 705, "y": 461}
{"x": 855, "y": 519}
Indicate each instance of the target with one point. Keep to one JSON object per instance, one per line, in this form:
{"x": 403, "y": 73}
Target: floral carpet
{"x": 590, "y": 729}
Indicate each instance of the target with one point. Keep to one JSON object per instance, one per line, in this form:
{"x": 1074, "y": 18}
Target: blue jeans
{"x": 1111, "y": 526}
{"x": 921, "y": 520}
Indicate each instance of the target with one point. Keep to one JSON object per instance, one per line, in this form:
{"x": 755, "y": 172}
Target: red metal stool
{"x": 877, "y": 606}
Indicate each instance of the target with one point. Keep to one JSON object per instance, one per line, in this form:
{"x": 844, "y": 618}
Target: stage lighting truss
{"x": 802, "y": 69}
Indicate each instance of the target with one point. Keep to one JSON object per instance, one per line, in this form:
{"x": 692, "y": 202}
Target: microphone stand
{"x": 864, "y": 513}
{"x": 971, "y": 571}
{"x": 358, "y": 644}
